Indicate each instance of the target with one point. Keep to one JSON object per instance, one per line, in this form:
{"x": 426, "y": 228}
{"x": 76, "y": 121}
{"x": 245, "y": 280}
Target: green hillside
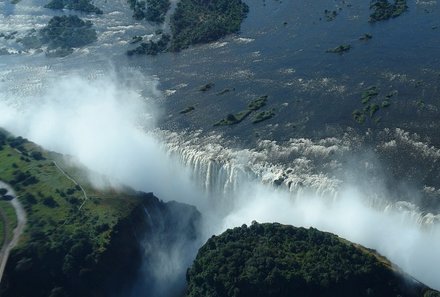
{"x": 78, "y": 240}
{"x": 277, "y": 260}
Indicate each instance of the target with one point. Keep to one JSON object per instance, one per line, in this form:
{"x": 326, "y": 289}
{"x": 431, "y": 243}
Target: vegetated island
{"x": 343, "y": 48}
{"x": 193, "y": 22}
{"x": 371, "y": 107}
{"x": 63, "y": 33}
{"x": 80, "y": 5}
{"x": 274, "y": 260}
{"x": 253, "y": 106}
{"x": 79, "y": 240}
{"x": 384, "y": 10}
{"x": 196, "y": 21}
{"x": 151, "y": 10}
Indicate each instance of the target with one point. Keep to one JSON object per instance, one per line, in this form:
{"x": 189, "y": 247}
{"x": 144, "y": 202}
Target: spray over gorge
{"x": 136, "y": 144}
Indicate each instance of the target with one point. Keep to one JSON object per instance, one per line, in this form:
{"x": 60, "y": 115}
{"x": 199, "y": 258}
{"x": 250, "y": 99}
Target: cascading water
{"x": 300, "y": 167}
{"x": 310, "y": 183}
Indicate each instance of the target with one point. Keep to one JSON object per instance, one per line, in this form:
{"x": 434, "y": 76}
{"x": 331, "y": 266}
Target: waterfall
{"x": 298, "y": 166}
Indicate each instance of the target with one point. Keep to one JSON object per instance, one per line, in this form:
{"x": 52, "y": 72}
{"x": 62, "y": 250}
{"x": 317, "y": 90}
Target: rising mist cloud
{"x": 104, "y": 125}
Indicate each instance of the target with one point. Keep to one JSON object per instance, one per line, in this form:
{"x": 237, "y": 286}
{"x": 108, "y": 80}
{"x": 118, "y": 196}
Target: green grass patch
{"x": 9, "y": 211}
{"x": 52, "y": 200}
{"x": 2, "y": 233}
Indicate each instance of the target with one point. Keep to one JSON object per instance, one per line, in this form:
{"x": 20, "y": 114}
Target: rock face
{"x": 277, "y": 260}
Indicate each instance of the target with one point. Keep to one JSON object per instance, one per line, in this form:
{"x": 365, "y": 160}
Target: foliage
{"x": 263, "y": 116}
{"x": 258, "y": 103}
{"x": 369, "y": 99}
{"x": 254, "y": 105}
{"x": 79, "y": 5}
{"x": 276, "y": 260}
{"x": 384, "y": 10}
{"x": 60, "y": 239}
{"x": 232, "y": 119}
{"x": 151, "y": 10}
{"x": 11, "y": 218}
{"x": 206, "y": 87}
{"x": 339, "y": 49}
{"x": 68, "y": 32}
{"x": 76, "y": 244}
{"x": 203, "y": 21}
{"x": 151, "y": 48}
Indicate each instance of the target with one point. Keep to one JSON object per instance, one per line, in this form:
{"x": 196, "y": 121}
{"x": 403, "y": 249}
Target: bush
{"x": 50, "y": 202}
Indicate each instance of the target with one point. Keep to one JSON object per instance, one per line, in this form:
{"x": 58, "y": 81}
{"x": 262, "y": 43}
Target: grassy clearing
{"x": 9, "y": 211}
{"x": 52, "y": 200}
{"x": 67, "y": 233}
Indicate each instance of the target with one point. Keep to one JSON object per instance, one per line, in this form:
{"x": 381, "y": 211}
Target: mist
{"x": 107, "y": 126}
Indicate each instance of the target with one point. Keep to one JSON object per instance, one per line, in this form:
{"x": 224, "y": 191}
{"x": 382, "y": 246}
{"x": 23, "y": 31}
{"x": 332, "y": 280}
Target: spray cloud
{"x": 105, "y": 125}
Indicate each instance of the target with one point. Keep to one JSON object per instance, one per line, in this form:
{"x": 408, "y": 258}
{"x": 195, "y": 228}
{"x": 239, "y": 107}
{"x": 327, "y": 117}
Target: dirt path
{"x": 74, "y": 181}
{"x": 21, "y": 222}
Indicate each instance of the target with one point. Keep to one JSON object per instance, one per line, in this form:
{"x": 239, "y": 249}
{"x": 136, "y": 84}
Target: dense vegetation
{"x": 253, "y": 106}
{"x": 151, "y": 10}
{"x": 67, "y": 32}
{"x": 384, "y": 10}
{"x": 78, "y": 241}
{"x": 202, "y": 21}
{"x": 343, "y": 48}
{"x": 371, "y": 105}
{"x": 79, "y": 5}
{"x": 266, "y": 260}
{"x": 151, "y": 48}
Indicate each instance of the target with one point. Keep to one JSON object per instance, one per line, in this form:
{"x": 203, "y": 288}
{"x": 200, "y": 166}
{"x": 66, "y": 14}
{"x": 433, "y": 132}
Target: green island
{"x": 330, "y": 15}
{"x": 384, "y": 10}
{"x": 339, "y": 49}
{"x": 263, "y": 115}
{"x": 63, "y": 33}
{"x": 187, "y": 110}
{"x": 196, "y": 21}
{"x": 193, "y": 22}
{"x": 274, "y": 260}
{"x": 80, "y": 5}
{"x": 371, "y": 108}
{"x": 254, "y": 105}
{"x": 151, "y": 48}
{"x": 366, "y": 37}
{"x": 206, "y": 87}
{"x": 86, "y": 240}
{"x": 151, "y": 10}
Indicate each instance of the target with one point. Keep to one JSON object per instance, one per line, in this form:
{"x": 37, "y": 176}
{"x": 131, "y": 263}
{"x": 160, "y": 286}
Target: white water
{"x": 241, "y": 183}
{"x": 104, "y": 124}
